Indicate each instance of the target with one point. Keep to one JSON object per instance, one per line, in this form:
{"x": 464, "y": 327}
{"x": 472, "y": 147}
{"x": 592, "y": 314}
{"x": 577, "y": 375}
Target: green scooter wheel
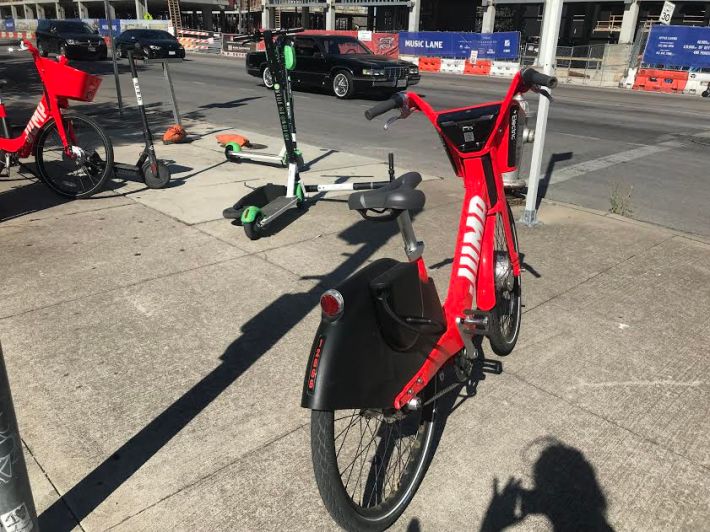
{"x": 252, "y": 229}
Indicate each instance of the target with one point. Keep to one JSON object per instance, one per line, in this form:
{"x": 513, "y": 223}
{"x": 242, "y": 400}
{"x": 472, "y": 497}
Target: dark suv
{"x": 72, "y": 38}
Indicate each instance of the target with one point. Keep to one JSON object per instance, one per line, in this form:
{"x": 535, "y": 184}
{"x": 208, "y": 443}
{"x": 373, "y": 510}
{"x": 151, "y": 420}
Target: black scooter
{"x": 153, "y": 172}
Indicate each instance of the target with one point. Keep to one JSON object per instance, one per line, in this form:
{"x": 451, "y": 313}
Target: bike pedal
{"x": 492, "y": 366}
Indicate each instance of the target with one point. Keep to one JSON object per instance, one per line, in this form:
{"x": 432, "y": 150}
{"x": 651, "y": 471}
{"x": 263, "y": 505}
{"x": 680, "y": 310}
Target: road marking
{"x": 576, "y": 170}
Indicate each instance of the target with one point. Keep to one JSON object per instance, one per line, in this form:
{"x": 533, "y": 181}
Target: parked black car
{"x": 72, "y": 38}
{"x": 153, "y": 44}
{"x": 340, "y": 63}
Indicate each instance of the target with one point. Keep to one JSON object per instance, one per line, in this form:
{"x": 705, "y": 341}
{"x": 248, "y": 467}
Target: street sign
{"x": 666, "y": 13}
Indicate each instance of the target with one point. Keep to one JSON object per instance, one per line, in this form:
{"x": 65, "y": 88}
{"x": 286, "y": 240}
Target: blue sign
{"x": 9, "y": 24}
{"x": 103, "y": 27}
{"x": 678, "y": 46}
{"x": 502, "y": 45}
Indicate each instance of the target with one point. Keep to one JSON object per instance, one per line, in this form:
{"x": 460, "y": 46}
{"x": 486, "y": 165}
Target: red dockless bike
{"x": 73, "y": 155}
{"x": 371, "y": 379}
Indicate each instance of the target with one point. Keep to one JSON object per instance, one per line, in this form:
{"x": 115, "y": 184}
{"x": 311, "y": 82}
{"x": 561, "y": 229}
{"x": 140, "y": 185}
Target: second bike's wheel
{"x": 85, "y": 171}
{"x": 506, "y": 316}
{"x": 156, "y": 181}
{"x": 368, "y": 464}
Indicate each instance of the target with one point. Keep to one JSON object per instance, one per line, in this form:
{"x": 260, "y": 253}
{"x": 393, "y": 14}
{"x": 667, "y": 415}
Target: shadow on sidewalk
{"x": 545, "y": 180}
{"x": 566, "y": 491}
{"x": 259, "y": 335}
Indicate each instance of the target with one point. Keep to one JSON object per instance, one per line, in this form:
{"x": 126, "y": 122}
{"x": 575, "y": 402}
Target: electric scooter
{"x": 153, "y": 172}
{"x": 263, "y": 205}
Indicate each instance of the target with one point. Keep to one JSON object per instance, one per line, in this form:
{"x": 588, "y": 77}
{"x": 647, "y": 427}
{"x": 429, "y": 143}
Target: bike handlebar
{"x": 533, "y": 77}
{"x": 381, "y": 108}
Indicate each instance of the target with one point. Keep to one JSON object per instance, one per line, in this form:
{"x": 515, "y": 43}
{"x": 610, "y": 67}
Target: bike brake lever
{"x": 544, "y": 91}
{"x": 404, "y": 112}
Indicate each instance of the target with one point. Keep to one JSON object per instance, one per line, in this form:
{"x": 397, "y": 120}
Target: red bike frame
{"x": 472, "y": 283}
{"x": 49, "y": 107}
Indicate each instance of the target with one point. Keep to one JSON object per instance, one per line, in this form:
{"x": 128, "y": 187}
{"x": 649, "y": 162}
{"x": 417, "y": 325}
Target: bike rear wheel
{"x": 368, "y": 464}
{"x": 85, "y": 172}
{"x": 507, "y": 314}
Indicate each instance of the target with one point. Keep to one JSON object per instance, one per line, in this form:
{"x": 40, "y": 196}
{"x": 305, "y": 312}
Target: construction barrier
{"x": 452, "y": 66}
{"x": 429, "y": 64}
{"x": 697, "y": 83}
{"x": 200, "y": 41}
{"x": 17, "y": 35}
{"x": 654, "y": 80}
{"x": 504, "y": 69}
{"x": 479, "y": 68}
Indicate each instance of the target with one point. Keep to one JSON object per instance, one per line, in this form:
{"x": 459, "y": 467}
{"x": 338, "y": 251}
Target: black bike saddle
{"x": 399, "y": 195}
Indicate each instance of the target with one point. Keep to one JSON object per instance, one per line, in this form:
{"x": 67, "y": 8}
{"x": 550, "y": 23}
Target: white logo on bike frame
{"x": 472, "y": 239}
{"x": 36, "y": 122}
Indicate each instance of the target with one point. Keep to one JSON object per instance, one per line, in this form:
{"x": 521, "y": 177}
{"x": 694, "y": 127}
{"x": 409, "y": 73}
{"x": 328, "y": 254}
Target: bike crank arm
{"x": 485, "y": 366}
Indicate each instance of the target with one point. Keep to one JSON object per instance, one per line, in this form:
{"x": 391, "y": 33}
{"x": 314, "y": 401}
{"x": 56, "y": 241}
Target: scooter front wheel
{"x": 368, "y": 464}
{"x": 158, "y": 179}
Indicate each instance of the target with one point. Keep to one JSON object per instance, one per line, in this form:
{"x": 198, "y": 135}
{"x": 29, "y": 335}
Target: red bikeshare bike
{"x": 371, "y": 379}
{"x": 73, "y": 155}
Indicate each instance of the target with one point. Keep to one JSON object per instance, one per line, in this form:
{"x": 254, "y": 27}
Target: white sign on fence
{"x": 364, "y": 35}
{"x": 473, "y": 57}
{"x": 667, "y": 13}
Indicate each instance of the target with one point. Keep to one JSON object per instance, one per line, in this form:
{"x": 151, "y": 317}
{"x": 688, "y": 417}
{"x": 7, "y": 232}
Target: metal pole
{"x": 17, "y": 509}
{"x": 173, "y": 101}
{"x": 548, "y": 49}
{"x": 109, "y": 20}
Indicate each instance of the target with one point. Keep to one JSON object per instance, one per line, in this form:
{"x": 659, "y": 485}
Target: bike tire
{"x": 385, "y": 510}
{"x": 507, "y": 314}
{"x": 66, "y": 176}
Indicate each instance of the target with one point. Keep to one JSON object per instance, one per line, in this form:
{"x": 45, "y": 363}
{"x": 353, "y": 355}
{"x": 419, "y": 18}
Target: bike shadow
{"x": 258, "y": 335}
{"x": 566, "y": 491}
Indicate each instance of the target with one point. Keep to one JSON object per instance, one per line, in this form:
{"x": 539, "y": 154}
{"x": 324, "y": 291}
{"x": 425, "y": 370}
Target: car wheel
{"x": 343, "y": 86}
{"x": 267, "y": 78}
{"x": 42, "y": 50}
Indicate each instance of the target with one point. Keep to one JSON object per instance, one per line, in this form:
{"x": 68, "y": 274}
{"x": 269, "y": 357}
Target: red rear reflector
{"x": 332, "y": 303}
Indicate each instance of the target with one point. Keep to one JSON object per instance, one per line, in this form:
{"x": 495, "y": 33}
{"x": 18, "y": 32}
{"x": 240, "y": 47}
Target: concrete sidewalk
{"x": 156, "y": 357}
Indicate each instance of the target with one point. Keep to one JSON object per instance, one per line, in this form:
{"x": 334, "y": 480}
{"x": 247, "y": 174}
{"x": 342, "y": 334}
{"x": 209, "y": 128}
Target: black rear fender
{"x": 352, "y": 363}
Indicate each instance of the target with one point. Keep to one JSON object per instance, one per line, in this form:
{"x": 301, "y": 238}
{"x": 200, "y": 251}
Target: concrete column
{"x": 82, "y": 10}
{"x": 13, "y": 12}
{"x": 140, "y": 9}
{"x": 207, "y": 18}
{"x": 629, "y": 23}
{"x": 305, "y": 18}
{"x": 330, "y": 15}
{"x": 61, "y": 14}
{"x": 112, "y": 11}
{"x": 414, "y": 15}
{"x": 39, "y": 11}
{"x": 489, "y": 18}
{"x": 28, "y": 11}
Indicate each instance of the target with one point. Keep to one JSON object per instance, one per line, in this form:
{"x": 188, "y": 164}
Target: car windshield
{"x": 154, "y": 34}
{"x": 73, "y": 27}
{"x": 344, "y": 46}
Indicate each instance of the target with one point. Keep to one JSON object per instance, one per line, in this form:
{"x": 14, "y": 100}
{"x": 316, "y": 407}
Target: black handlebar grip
{"x": 533, "y": 77}
{"x": 382, "y": 107}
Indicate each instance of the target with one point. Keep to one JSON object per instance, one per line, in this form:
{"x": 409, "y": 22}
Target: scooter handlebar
{"x": 533, "y": 77}
{"x": 381, "y": 108}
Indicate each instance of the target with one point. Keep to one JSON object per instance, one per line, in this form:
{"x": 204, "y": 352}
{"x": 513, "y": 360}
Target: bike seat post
{"x": 412, "y": 247}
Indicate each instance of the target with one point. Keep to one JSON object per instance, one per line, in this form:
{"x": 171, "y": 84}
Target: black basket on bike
{"x": 406, "y": 307}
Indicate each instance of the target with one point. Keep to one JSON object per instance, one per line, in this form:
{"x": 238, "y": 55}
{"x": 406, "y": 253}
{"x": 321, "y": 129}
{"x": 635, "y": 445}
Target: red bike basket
{"x": 67, "y": 82}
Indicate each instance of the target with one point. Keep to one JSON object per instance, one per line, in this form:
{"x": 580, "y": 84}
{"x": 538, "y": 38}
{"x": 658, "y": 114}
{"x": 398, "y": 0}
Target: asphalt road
{"x": 648, "y": 146}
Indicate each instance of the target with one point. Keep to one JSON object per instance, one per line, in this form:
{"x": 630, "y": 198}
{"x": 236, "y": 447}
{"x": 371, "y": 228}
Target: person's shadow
{"x": 566, "y": 491}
